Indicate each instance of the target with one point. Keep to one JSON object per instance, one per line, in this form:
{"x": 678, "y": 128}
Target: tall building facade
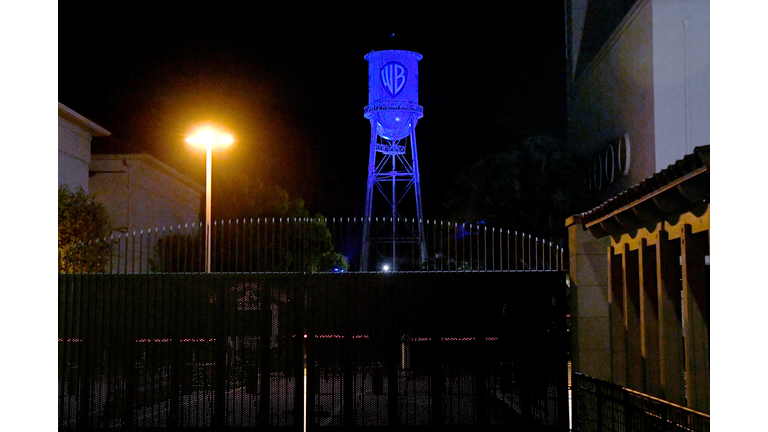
{"x": 638, "y": 106}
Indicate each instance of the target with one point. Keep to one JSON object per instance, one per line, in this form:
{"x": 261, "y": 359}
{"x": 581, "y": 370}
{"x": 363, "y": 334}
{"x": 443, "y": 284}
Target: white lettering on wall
{"x": 610, "y": 163}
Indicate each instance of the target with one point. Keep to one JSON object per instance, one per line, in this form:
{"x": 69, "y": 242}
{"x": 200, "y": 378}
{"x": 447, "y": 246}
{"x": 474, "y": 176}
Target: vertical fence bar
{"x": 471, "y": 257}
{"x": 551, "y": 267}
{"x": 221, "y": 246}
{"x": 248, "y": 245}
{"x": 493, "y": 248}
{"x": 238, "y": 267}
{"x": 281, "y": 263}
{"x": 442, "y": 244}
{"x": 140, "y": 259}
{"x": 273, "y": 266}
{"x": 450, "y": 249}
{"x": 524, "y": 258}
{"x": 530, "y": 260}
{"x": 516, "y": 258}
{"x": 477, "y": 245}
{"x": 485, "y": 248}
{"x": 420, "y": 231}
{"x": 128, "y": 249}
{"x": 509, "y": 266}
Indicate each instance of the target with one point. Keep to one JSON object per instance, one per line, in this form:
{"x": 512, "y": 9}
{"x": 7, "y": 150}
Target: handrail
{"x": 601, "y": 405}
{"x": 666, "y": 402}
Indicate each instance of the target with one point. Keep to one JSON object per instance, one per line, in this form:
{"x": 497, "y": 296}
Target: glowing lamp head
{"x": 207, "y": 136}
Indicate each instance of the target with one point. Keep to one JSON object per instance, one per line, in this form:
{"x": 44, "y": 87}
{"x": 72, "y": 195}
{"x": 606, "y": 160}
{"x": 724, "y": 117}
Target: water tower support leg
{"x": 417, "y": 188}
{"x": 369, "y": 198}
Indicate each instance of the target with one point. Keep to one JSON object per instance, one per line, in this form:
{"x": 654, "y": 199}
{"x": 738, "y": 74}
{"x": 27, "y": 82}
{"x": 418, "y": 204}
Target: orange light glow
{"x": 209, "y": 136}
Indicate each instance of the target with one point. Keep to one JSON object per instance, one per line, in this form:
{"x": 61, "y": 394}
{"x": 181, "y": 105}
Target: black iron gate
{"x": 277, "y": 351}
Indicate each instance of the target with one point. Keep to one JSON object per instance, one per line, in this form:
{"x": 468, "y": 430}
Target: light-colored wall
{"x": 141, "y": 192}
{"x": 616, "y": 95}
{"x": 74, "y": 155}
{"x": 590, "y": 317}
{"x": 75, "y": 135}
{"x": 651, "y": 80}
{"x": 680, "y": 77}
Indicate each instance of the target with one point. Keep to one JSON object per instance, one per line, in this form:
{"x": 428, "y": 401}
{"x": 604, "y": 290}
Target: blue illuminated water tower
{"x": 393, "y": 224}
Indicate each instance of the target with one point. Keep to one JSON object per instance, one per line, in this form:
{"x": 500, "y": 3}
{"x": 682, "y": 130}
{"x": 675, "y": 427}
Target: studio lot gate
{"x": 226, "y": 351}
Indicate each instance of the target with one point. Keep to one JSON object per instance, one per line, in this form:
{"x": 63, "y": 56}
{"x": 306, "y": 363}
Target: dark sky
{"x": 293, "y": 88}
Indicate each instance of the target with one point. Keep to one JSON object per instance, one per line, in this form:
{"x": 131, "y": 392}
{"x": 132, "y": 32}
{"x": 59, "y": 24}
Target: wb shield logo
{"x": 393, "y": 77}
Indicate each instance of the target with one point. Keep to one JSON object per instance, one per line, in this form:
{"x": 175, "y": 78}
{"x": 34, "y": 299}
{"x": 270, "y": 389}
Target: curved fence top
{"x": 314, "y": 245}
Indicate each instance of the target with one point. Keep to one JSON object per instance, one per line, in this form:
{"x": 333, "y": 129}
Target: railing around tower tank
{"x": 313, "y": 245}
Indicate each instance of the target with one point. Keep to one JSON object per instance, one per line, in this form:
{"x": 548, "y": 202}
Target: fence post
{"x": 173, "y": 413}
{"x": 526, "y": 395}
{"x": 436, "y": 370}
{"x": 481, "y": 381}
{"x": 628, "y": 411}
{"x": 599, "y": 399}
{"x": 393, "y": 417}
{"x": 84, "y": 387}
{"x": 220, "y": 378}
{"x": 575, "y": 401}
{"x": 297, "y": 314}
{"x": 347, "y": 368}
{"x": 263, "y": 361}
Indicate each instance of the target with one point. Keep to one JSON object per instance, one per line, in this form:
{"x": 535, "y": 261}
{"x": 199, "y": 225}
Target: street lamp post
{"x": 208, "y": 137}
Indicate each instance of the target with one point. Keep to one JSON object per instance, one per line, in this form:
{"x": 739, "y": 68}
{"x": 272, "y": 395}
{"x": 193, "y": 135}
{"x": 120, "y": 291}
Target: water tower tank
{"x": 393, "y": 92}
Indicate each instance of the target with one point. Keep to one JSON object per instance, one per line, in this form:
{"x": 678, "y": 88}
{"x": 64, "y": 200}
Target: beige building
{"x": 638, "y": 86}
{"x": 638, "y": 104}
{"x": 141, "y": 193}
{"x": 75, "y": 134}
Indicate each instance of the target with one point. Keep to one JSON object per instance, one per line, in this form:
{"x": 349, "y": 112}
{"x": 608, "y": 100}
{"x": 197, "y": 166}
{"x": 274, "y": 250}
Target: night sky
{"x": 292, "y": 89}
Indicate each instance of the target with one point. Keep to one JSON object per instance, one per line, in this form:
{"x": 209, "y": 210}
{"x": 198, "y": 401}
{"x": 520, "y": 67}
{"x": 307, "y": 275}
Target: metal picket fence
{"x": 288, "y": 332}
{"x": 314, "y": 244}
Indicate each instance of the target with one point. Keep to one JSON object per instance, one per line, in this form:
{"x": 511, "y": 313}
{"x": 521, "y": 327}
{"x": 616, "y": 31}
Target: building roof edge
{"x": 677, "y": 188}
{"x": 69, "y": 114}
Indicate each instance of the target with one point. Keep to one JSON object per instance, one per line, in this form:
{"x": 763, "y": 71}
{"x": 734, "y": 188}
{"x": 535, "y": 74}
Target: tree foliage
{"x": 240, "y": 196}
{"x": 251, "y": 198}
{"x": 287, "y": 238}
{"x": 83, "y": 231}
{"x": 530, "y": 187}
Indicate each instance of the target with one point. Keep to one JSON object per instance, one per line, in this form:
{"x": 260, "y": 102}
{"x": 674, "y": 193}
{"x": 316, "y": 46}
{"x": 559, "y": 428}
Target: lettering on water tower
{"x": 393, "y": 78}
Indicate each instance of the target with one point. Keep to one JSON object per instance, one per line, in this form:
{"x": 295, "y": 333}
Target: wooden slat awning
{"x": 681, "y": 187}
